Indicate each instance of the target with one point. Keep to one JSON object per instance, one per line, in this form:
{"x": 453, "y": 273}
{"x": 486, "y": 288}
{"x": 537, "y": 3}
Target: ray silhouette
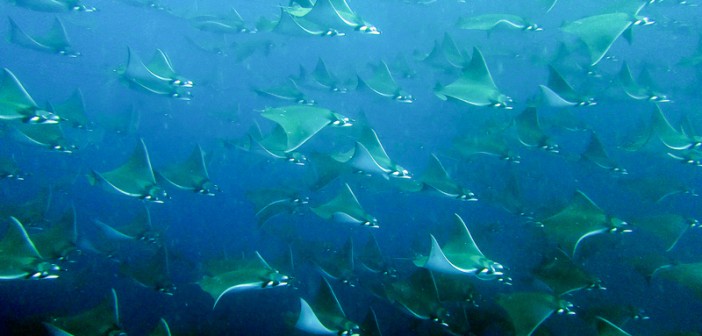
{"x": 269, "y": 203}
{"x": 339, "y": 265}
{"x": 10, "y": 170}
{"x": 229, "y": 22}
{"x": 563, "y": 275}
{"x": 445, "y": 55}
{"x": 55, "y": 41}
{"x": 530, "y": 132}
{"x": 437, "y": 179}
{"x": 54, "y": 6}
{"x": 135, "y": 178}
{"x": 102, "y": 319}
{"x": 641, "y": 89}
{"x": 139, "y": 228}
{"x": 668, "y": 228}
{"x": 595, "y": 153}
{"x": 19, "y": 257}
{"x": 73, "y": 110}
{"x": 49, "y": 136}
{"x": 528, "y": 310}
{"x": 490, "y": 143}
{"x": 325, "y": 315}
{"x": 475, "y": 86}
{"x": 151, "y": 270}
{"x": 383, "y": 84}
{"x": 370, "y": 326}
{"x": 687, "y": 275}
{"x": 371, "y": 258}
{"x": 287, "y": 90}
{"x": 338, "y": 15}
{"x": 671, "y": 137}
{"x": 326, "y": 79}
{"x": 417, "y": 295}
{"x": 579, "y": 220}
{"x": 191, "y": 174}
{"x": 490, "y": 22}
{"x": 60, "y": 240}
{"x": 345, "y": 208}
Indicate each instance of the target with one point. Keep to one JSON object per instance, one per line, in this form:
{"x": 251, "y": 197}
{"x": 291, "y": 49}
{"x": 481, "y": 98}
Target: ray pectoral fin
{"x": 437, "y": 260}
{"x": 553, "y": 99}
{"x": 309, "y": 322}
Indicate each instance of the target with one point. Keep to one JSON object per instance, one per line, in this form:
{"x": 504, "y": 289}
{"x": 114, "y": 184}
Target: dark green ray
{"x": 418, "y": 296}
{"x": 643, "y": 89}
{"x": 287, "y": 90}
{"x": 55, "y": 41}
{"x": 531, "y": 133}
{"x": 491, "y": 144}
{"x": 60, "y": 240}
{"x": 599, "y": 32}
{"x": 669, "y": 135}
{"x": 159, "y": 80}
{"x": 475, "y": 86}
{"x": 272, "y": 202}
{"x": 596, "y": 154}
{"x": 687, "y": 275}
{"x": 345, "y": 208}
{"x": 383, "y": 83}
{"x": 17, "y": 104}
{"x": 191, "y": 174}
{"x": 340, "y": 264}
{"x": 668, "y": 228}
{"x": 489, "y": 22}
{"x": 54, "y": 6}
{"x": 563, "y": 275}
{"x": 19, "y": 257}
{"x": 436, "y": 178}
{"x": 371, "y": 258}
{"x": 10, "y": 170}
{"x": 325, "y": 315}
{"x": 100, "y": 320}
{"x": 73, "y": 110}
{"x": 229, "y": 22}
{"x": 528, "y": 310}
{"x": 151, "y": 270}
{"x": 232, "y": 276}
{"x": 577, "y": 221}
{"x": 301, "y": 123}
{"x": 49, "y": 136}
{"x": 135, "y": 178}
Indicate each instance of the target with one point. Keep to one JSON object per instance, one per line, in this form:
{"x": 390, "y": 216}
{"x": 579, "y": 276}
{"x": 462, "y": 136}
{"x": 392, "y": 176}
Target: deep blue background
{"x": 201, "y": 227}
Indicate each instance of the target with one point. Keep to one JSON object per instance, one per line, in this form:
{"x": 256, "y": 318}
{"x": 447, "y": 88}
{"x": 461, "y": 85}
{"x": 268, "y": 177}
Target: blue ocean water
{"x": 225, "y": 106}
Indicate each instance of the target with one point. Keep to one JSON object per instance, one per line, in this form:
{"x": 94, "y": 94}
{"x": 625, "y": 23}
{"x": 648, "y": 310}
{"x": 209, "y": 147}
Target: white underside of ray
{"x": 236, "y": 289}
{"x": 438, "y": 262}
{"x": 364, "y": 161}
{"x": 309, "y": 322}
{"x": 343, "y": 217}
{"x": 554, "y": 99}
